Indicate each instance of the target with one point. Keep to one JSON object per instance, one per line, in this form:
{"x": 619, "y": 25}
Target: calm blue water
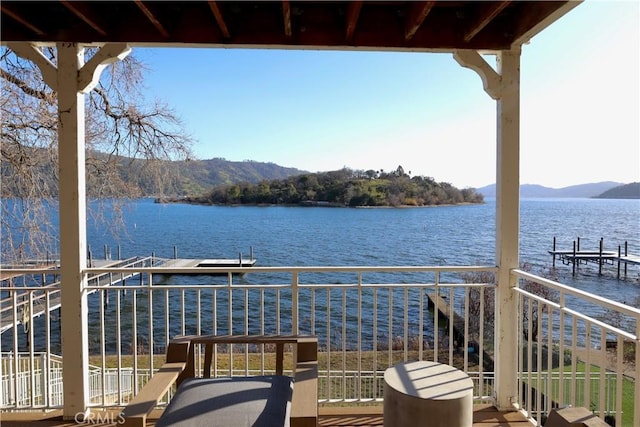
{"x": 449, "y": 235}
{"x": 296, "y": 236}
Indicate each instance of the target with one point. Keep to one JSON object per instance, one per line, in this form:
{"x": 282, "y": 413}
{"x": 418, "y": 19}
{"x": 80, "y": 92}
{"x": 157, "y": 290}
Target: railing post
{"x": 294, "y": 304}
{"x": 636, "y": 383}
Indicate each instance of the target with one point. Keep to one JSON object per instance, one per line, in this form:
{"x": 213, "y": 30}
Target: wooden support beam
{"x": 507, "y": 227}
{"x": 286, "y": 16}
{"x": 34, "y": 54}
{"x": 86, "y": 14}
{"x": 416, "y": 16}
{"x": 217, "y": 14}
{"x": 491, "y": 80}
{"x": 353, "y": 12}
{"x": 71, "y": 78}
{"x": 18, "y": 18}
{"x": 89, "y": 75}
{"x": 152, "y": 18}
{"x": 487, "y": 13}
{"x": 73, "y": 231}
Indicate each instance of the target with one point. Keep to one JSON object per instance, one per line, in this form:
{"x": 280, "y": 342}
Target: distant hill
{"x": 627, "y": 191}
{"x": 140, "y": 177}
{"x": 539, "y": 191}
{"x": 199, "y": 176}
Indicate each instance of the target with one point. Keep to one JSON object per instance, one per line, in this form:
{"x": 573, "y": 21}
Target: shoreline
{"x": 310, "y": 205}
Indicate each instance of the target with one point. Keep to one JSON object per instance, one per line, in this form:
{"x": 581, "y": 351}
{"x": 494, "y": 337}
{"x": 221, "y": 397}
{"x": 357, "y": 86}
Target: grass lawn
{"x": 594, "y": 390}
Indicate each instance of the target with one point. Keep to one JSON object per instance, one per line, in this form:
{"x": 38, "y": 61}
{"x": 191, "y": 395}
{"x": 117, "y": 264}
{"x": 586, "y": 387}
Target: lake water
{"x": 305, "y": 236}
{"x": 447, "y": 235}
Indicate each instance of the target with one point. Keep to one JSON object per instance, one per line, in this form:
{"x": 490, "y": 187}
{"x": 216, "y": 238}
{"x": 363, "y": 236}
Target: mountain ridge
{"x": 587, "y": 190}
{"x": 627, "y": 191}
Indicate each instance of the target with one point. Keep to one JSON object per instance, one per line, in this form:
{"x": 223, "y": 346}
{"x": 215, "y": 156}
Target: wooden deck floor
{"x": 483, "y": 416}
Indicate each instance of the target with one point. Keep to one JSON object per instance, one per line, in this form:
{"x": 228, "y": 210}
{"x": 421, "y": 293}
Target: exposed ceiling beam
{"x": 286, "y": 14}
{"x": 416, "y": 16}
{"x": 152, "y": 18}
{"x": 536, "y": 19}
{"x": 219, "y": 19}
{"x": 487, "y": 13}
{"x": 5, "y": 10}
{"x": 353, "y": 12}
{"x": 83, "y": 12}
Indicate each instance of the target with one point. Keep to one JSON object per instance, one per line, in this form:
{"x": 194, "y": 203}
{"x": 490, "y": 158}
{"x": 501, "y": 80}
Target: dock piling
{"x": 600, "y": 257}
{"x": 574, "y": 255}
{"x": 626, "y": 254}
{"x": 619, "y": 254}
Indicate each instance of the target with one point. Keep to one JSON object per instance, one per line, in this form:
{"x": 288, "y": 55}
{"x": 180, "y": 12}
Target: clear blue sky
{"x": 322, "y": 110}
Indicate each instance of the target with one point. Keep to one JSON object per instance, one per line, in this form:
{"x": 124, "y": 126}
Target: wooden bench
{"x": 181, "y": 366}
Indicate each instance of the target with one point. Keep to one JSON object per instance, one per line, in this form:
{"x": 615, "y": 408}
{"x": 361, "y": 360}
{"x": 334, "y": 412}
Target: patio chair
{"x": 264, "y": 400}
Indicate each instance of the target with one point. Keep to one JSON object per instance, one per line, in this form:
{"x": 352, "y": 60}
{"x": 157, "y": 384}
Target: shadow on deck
{"x": 348, "y": 416}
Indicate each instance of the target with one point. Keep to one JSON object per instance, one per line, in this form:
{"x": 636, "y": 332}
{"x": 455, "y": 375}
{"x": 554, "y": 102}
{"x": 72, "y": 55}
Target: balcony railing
{"x": 366, "y": 319}
{"x": 574, "y": 349}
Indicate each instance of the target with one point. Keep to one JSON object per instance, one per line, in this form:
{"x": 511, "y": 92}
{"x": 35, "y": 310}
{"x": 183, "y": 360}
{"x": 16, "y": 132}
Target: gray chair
{"x": 260, "y": 401}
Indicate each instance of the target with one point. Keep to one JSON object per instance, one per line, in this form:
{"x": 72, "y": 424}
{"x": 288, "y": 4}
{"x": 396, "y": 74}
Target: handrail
{"x": 608, "y": 303}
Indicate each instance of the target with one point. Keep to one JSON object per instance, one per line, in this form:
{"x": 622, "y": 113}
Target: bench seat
{"x": 260, "y": 401}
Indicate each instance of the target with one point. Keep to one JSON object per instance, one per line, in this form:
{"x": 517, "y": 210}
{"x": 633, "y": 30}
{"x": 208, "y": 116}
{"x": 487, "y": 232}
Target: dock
{"x": 457, "y": 327}
{"x": 19, "y": 307}
{"x": 239, "y": 262}
{"x": 575, "y": 257}
{"x": 24, "y": 312}
{"x": 178, "y": 263}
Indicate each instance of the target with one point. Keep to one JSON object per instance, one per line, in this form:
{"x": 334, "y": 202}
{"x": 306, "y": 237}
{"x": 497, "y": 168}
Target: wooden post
{"x": 574, "y": 256}
{"x": 73, "y": 223}
{"x": 619, "y": 255}
{"x": 626, "y": 253}
{"x": 503, "y": 85}
{"x": 600, "y": 257}
{"x": 554, "y": 251}
{"x": 507, "y": 227}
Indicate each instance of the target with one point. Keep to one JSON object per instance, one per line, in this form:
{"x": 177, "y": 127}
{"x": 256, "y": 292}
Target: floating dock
{"x": 575, "y": 257}
{"x": 207, "y": 263}
{"x": 239, "y": 262}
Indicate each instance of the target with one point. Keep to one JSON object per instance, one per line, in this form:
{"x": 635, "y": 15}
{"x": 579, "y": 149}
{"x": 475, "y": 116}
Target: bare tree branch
{"x": 127, "y": 137}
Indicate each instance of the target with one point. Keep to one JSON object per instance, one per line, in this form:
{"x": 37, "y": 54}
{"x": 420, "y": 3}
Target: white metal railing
{"x": 27, "y": 381}
{"x": 366, "y": 318}
{"x": 566, "y": 334}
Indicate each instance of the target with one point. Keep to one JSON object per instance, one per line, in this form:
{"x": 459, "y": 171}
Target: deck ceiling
{"x": 395, "y": 25}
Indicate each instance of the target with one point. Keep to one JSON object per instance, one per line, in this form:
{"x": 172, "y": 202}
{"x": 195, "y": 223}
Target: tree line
{"x": 344, "y": 187}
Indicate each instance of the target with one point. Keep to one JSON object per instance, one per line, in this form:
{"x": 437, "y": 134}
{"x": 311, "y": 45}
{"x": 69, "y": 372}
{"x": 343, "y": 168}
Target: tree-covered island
{"x": 341, "y": 188}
